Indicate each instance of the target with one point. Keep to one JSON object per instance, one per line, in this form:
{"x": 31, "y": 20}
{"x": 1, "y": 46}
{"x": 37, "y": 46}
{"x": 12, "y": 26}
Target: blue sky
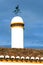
{"x": 32, "y": 14}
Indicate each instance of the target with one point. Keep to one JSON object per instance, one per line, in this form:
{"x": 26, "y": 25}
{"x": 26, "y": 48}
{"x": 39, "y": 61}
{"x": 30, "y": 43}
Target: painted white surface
{"x": 13, "y": 57}
{"x": 7, "y": 56}
{"x": 27, "y": 57}
{"x": 32, "y": 58}
{"x": 11, "y": 63}
{"x": 22, "y": 57}
{"x": 17, "y": 37}
{"x": 17, "y": 40}
{"x": 1, "y": 56}
{"x": 37, "y": 58}
{"x": 16, "y": 19}
{"x": 17, "y": 57}
{"x": 41, "y": 58}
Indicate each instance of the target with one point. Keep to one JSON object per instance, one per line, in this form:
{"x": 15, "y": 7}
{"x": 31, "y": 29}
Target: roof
{"x": 17, "y": 19}
{"x": 21, "y": 52}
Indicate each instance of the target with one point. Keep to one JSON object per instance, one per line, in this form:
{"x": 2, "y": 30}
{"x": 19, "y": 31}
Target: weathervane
{"x": 17, "y": 10}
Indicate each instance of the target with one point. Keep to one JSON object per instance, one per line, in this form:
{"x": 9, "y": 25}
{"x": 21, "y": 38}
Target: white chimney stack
{"x": 17, "y": 32}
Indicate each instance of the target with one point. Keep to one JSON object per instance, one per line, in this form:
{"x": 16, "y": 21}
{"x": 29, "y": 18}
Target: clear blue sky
{"x": 32, "y": 14}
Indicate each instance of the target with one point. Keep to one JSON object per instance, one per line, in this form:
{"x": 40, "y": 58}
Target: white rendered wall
{"x": 17, "y": 35}
{"x": 15, "y": 63}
